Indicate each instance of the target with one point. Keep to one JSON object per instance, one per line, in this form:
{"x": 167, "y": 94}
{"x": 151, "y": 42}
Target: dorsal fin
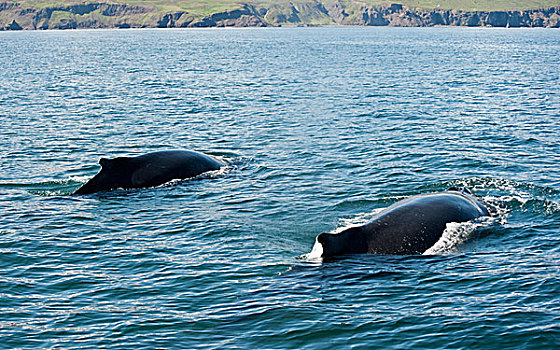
{"x": 105, "y": 163}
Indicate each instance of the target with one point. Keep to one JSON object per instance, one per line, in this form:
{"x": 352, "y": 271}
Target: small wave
{"x": 47, "y": 188}
{"x": 497, "y": 186}
{"x": 530, "y": 203}
{"x": 503, "y": 196}
{"x": 213, "y": 174}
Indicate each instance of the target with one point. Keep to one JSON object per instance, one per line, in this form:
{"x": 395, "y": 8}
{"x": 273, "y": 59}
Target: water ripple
{"x": 321, "y": 128}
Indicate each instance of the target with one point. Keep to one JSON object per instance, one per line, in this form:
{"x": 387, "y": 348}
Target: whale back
{"x": 114, "y": 174}
{"x": 349, "y": 241}
{"x": 413, "y": 226}
{"x": 148, "y": 170}
{"x": 407, "y": 227}
{"x": 156, "y": 168}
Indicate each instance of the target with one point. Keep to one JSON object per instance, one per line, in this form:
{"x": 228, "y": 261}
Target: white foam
{"x": 81, "y": 178}
{"x": 457, "y": 233}
{"x": 454, "y": 234}
{"x": 316, "y": 253}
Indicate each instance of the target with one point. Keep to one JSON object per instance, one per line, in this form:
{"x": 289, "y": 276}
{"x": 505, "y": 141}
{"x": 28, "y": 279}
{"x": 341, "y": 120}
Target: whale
{"x": 148, "y": 170}
{"x": 410, "y": 226}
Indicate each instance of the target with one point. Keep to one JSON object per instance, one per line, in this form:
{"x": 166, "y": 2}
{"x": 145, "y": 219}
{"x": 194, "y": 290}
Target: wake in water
{"x": 506, "y": 195}
{"x": 48, "y": 188}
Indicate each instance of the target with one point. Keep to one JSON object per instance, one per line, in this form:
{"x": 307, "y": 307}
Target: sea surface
{"x": 320, "y": 129}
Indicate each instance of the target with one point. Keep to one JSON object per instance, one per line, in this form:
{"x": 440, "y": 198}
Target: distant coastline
{"x": 78, "y": 15}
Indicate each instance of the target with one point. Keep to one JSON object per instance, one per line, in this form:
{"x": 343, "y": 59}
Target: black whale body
{"x": 410, "y": 226}
{"x": 148, "y": 170}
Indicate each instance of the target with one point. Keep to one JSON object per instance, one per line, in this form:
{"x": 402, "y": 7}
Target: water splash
{"x": 316, "y": 254}
{"x": 455, "y": 233}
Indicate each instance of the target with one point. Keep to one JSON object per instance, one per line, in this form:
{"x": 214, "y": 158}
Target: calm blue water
{"x": 321, "y": 127}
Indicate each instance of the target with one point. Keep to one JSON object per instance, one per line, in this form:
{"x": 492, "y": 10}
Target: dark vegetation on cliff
{"x": 39, "y": 14}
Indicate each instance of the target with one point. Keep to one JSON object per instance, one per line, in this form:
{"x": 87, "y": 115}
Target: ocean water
{"x": 321, "y": 128}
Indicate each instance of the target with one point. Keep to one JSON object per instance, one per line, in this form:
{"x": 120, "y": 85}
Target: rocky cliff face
{"x": 14, "y": 16}
{"x": 403, "y": 16}
{"x": 93, "y": 15}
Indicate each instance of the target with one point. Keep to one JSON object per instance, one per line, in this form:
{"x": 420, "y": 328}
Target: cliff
{"x": 16, "y": 15}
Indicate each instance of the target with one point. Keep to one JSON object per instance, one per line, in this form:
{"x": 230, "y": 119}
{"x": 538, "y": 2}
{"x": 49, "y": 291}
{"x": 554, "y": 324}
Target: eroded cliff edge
{"x": 16, "y": 16}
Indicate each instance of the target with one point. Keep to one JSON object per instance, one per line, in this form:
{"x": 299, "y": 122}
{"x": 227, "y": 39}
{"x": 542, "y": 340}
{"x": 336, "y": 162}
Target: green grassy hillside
{"x": 207, "y": 7}
{"x": 72, "y": 14}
